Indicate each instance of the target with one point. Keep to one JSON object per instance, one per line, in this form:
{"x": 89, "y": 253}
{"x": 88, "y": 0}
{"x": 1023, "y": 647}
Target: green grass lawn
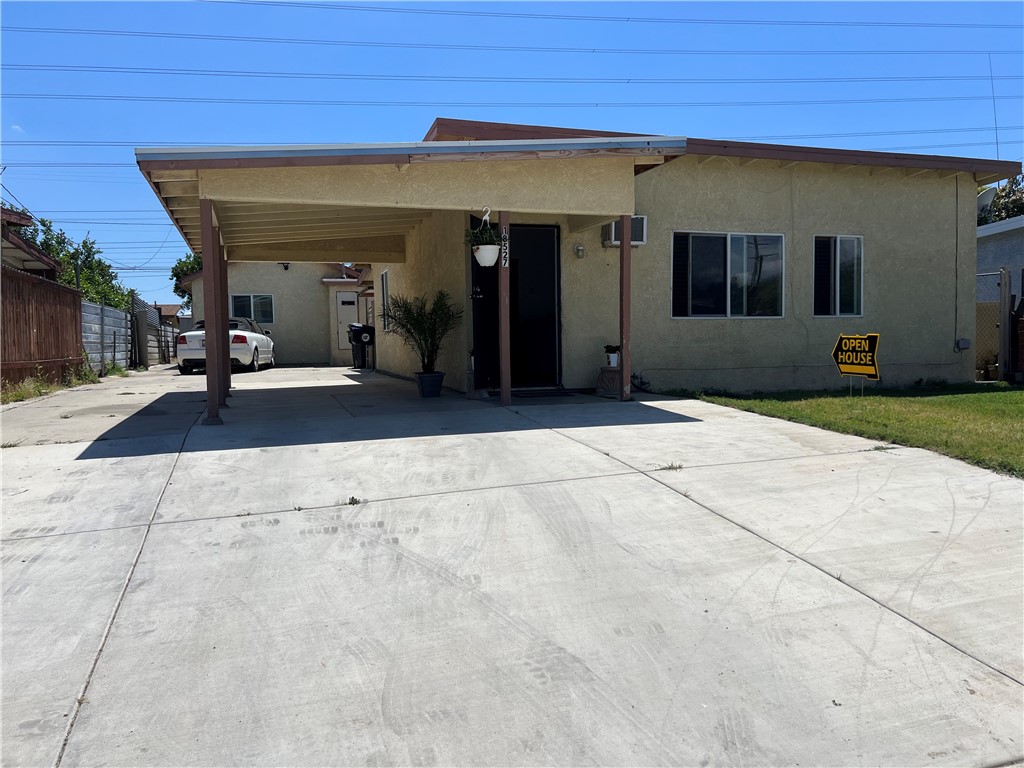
{"x": 982, "y": 424}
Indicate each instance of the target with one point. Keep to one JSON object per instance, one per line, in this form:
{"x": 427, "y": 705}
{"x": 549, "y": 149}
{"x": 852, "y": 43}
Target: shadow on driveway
{"x": 362, "y": 407}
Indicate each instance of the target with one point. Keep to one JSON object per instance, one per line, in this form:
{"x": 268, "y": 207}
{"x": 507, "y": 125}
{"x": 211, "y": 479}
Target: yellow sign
{"x": 857, "y": 355}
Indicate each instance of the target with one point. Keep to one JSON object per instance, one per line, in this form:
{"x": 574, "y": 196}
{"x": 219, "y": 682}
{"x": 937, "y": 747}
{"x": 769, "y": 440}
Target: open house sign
{"x": 857, "y": 355}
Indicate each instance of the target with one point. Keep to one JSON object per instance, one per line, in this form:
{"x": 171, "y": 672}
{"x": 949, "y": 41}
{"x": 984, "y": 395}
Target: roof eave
{"x": 985, "y": 170}
{"x": 29, "y": 249}
{"x": 197, "y": 158}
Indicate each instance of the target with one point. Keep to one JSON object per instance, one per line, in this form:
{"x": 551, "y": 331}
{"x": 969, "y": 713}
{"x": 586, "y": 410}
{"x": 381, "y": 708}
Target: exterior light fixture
{"x": 284, "y": 265}
{"x": 579, "y": 250}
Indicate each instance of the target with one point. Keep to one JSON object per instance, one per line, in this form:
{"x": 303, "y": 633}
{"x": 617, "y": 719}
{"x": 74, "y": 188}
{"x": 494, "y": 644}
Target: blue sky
{"x": 924, "y": 75}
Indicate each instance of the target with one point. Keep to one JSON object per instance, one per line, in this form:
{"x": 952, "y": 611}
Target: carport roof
{"x": 174, "y": 174}
{"x": 330, "y": 154}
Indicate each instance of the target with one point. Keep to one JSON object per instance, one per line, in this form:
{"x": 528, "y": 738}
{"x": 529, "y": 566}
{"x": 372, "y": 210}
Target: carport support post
{"x": 504, "y": 334}
{"x": 625, "y": 290}
{"x": 225, "y": 363}
{"x": 211, "y": 298}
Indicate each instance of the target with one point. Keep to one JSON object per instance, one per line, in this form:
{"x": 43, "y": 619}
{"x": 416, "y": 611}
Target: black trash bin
{"x": 361, "y": 336}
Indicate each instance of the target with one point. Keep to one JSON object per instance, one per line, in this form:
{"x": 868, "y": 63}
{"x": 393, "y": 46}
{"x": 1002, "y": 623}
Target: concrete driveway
{"x": 344, "y": 574}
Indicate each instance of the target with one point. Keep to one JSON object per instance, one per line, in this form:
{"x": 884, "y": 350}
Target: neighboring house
{"x": 19, "y": 253}
{"x": 752, "y": 260}
{"x": 41, "y": 319}
{"x": 169, "y": 314}
{"x": 1000, "y": 244}
{"x": 307, "y": 307}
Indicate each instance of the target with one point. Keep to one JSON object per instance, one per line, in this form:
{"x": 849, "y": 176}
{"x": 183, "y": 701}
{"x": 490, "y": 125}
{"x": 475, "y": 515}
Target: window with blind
{"x": 727, "y": 275}
{"x": 838, "y": 275}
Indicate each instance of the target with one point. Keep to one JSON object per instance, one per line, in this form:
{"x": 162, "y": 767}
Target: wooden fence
{"x": 40, "y": 327}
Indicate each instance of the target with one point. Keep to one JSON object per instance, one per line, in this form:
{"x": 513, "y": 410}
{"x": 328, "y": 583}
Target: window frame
{"x": 252, "y": 306}
{"x": 728, "y": 275}
{"x": 835, "y": 267}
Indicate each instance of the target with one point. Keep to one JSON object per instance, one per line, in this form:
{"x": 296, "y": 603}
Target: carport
{"x": 360, "y": 202}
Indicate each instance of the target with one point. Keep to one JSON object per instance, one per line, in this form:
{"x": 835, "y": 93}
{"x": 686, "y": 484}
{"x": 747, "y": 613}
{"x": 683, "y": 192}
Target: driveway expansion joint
{"x": 11, "y": 539}
{"x": 80, "y": 698}
{"x": 450, "y": 492}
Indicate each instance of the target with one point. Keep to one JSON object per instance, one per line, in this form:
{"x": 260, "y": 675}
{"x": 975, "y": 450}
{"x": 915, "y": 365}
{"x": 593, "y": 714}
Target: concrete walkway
{"x": 344, "y": 574}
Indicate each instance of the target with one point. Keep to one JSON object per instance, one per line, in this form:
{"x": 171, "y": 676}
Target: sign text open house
{"x": 857, "y": 355}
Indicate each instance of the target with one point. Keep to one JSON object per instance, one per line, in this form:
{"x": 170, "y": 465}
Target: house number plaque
{"x": 504, "y": 246}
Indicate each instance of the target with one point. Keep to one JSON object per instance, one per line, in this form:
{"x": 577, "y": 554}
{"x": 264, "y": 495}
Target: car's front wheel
{"x": 184, "y": 370}
{"x": 255, "y": 364}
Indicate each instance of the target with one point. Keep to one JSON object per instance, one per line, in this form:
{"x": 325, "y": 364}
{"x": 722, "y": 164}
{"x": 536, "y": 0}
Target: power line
{"x": 14, "y": 197}
{"x": 59, "y": 164}
{"x": 947, "y": 146}
{"x": 100, "y": 210}
{"x": 870, "y": 133}
{"x": 495, "y": 48}
{"x": 492, "y": 104}
{"x": 617, "y": 19}
{"x": 81, "y": 68}
{"x": 115, "y": 223}
{"x": 76, "y": 180}
{"x": 207, "y": 143}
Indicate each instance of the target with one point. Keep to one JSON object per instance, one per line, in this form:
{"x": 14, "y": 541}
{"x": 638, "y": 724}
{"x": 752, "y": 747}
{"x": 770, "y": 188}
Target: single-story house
{"x": 747, "y": 260}
{"x": 318, "y": 302}
{"x": 169, "y": 314}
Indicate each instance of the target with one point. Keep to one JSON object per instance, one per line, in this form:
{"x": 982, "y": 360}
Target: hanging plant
{"x": 486, "y": 235}
{"x": 485, "y": 241}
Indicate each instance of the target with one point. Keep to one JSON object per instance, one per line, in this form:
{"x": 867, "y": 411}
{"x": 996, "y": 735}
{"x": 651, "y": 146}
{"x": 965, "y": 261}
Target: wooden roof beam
{"x": 387, "y": 250}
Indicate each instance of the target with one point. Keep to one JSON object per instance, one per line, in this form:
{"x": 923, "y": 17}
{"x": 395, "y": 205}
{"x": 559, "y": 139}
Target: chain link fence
{"x": 986, "y": 339}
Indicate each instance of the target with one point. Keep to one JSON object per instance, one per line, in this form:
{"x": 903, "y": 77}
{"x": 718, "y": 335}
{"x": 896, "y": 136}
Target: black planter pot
{"x": 429, "y": 384}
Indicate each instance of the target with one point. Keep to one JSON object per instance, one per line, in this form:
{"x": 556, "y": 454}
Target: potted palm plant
{"x": 423, "y": 322}
{"x": 486, "y": 244}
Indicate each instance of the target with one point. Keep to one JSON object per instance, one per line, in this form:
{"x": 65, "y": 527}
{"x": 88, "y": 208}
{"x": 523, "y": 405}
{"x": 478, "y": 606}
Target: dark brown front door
{"x": 534, "y": 312}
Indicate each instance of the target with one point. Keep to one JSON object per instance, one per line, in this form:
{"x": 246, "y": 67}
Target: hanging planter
{"x": 484, "y": 241}
{"x": 486, "y": 255}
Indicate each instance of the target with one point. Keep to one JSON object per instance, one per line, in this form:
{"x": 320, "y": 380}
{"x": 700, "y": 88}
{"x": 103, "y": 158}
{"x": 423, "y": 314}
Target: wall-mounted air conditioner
{"x": 638, "y": 232}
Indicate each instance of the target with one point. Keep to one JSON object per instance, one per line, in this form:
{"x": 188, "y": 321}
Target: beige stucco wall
{"x": 913, "y": 256}
{"x": 583, "y": 185}
{"x": 436, "y": 258}
{"x": 302, "y": 326}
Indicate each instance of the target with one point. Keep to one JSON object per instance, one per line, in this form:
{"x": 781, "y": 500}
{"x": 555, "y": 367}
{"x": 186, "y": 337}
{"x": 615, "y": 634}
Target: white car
{"x": 251, "y": 346}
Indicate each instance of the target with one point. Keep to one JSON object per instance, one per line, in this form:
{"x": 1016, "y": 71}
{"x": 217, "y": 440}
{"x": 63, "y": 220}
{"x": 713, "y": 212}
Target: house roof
{"x": 173, "y": 174}
{"x": 450, "y": 129}
{"x": 998, "y": 227}
{"x": 168, "y": 310}
{"x": 19, "y": 252}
